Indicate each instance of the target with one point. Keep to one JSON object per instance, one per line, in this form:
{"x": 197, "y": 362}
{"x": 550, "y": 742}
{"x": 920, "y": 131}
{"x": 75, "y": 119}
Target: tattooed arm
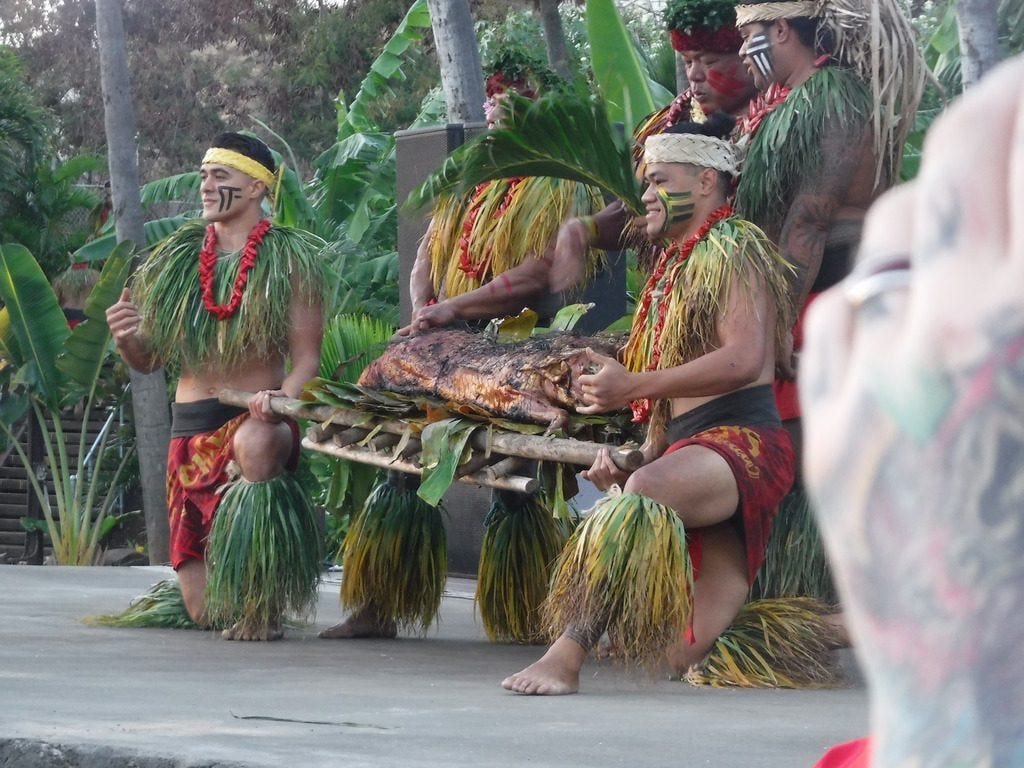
{"x": 837, "y": 187}
{"x": 912, "y": 387}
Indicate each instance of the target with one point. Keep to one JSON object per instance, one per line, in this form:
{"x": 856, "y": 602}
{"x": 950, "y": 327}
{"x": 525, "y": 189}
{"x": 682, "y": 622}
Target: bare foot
{"x": 365, "y": 624}
{"x": 242, "y": 631}
{"x": 556, "y": 673}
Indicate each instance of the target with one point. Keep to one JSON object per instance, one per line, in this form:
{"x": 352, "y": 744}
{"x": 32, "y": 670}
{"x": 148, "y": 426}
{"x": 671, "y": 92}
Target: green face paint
{"x": 678, "y": 207}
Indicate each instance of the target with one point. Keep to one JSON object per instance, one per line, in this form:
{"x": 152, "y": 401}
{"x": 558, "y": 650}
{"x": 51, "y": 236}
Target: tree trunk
{"x": 682, "y": 83}
{"x": 459, "y": 57}
{"x": 554, "y": 38}
{"x": 149, "y": 392}
{"x": 979, "y": 38}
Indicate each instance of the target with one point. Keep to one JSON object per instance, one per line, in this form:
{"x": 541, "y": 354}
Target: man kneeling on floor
{"x": 698, "y": 368}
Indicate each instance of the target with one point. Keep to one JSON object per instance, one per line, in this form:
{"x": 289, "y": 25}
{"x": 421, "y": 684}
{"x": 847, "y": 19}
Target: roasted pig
{"x": 531, "y": 380}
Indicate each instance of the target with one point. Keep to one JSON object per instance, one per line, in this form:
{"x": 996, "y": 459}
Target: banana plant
{"x": 45, "y": 370}
{"x": 622, "y": 78}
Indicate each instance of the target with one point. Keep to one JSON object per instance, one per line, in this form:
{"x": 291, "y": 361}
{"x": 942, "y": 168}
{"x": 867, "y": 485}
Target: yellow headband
{"x": 795, "y": 9}
{"x": 240, "y": 162}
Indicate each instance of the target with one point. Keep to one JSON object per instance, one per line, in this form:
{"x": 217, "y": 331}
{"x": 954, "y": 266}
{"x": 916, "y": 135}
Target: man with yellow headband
{"x": 224, "y": 302}
{"x": 697, "y": 368}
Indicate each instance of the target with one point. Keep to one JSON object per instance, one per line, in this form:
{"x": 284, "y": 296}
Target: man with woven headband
{"x": 823, "y": 140}
{"x": 697, "y": 368}
{"x": 826, "y": 137}
{"x": 704, "y": 34}
{"x": 224, "y": 302}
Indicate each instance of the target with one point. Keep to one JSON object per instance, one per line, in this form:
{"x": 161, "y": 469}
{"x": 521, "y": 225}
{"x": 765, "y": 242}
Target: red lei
{"x": 477, "y": 270}
{"x": 762, "y": 105}
{"x": 208, "y": 260}
{"x": 672, "y": 255}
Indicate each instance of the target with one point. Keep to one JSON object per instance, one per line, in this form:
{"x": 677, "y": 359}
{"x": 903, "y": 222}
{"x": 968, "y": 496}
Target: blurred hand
{"x": 912, "y": 389}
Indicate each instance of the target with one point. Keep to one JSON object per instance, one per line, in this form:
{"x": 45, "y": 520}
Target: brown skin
{"x": 701, "y": 69}
{"x": 505, "y": 294}
{"x": 263, "y": 443}
{"x": 695, "y": 481}
{"x": 841, "y": 189}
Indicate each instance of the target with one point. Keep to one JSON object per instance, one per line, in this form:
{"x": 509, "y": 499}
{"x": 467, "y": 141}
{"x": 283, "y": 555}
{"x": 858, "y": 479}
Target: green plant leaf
{"x": 407, "y": 37}
{"x": 622, "y": 80}
{"x": 350, "y": 343}
{"x": 444, "y": 443}
{"x": 559, "y": 135}
{"x": 180, "y": 188}
{"x": 33, "y": 524}
{"x": 88, "y": 346}
{"x": 156, "y": 230}
{"x": 36, "y": 320}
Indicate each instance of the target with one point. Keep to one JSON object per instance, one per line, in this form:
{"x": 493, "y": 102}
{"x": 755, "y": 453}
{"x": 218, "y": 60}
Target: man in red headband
{"x": 704, "y": 34}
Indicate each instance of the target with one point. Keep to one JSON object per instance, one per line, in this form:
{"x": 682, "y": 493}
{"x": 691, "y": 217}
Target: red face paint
{"x": 726, "y": 83}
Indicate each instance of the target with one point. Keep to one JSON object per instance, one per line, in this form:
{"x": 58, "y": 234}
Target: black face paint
{"x": 759, "y": 49}
{"x": 228, "y": 195}
{"x": 678, "y": 206}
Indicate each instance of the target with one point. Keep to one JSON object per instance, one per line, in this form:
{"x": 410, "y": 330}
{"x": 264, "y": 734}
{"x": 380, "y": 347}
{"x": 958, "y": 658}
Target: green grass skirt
{"x": 396, "y": 558}
{"x": 521, "y": 542}
{"x": 625, "y": 570}
{"x": 264, "y": 555}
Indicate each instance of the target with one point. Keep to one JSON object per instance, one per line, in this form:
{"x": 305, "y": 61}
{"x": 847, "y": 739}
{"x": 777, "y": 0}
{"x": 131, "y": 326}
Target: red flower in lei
{"x": 679, "y": 110}
{"x": 477, "y": 270}
{"x": 208, "y": 260}
{"x": 762, "y": 105}
{"x": 673, "y": 254}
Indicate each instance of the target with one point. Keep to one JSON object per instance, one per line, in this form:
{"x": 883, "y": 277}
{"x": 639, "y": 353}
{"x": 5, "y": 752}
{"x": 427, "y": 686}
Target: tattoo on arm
{"x": 819, "y": 195}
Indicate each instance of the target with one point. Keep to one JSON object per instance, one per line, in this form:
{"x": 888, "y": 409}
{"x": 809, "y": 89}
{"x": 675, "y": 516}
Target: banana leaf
{"x": 86, "y": 348}
{"x": 36, "y": 322}
{"x": 355, "y": 180}
{"x": 444, "y": 445}
{"x": 407, "y": 38}
{"x": 180, "y": 188}
{"x": 103, "y": 246}
{"x": 559, "y": 135}
{"x": 622, "y": 80}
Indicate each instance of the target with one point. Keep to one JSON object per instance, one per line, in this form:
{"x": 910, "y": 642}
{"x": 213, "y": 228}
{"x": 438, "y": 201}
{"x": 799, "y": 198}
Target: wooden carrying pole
{"x": 538, "y": 447}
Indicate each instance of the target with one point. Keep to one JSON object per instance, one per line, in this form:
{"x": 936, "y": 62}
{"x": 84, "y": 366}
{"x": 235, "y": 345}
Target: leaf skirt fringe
{"x": 521, "y": 541}
{"x": 783, "y": 643}
{"x": 396, "y": 558}
{"x": 795, "y": 563}
{"x": 161, "y": 607}
{"x": 625, "y": 570}
{"x": 264, "y": 554}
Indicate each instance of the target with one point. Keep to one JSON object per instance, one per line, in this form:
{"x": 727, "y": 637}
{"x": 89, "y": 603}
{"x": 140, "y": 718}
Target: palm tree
{"x": 459, "y": 57}
{"x": 149, "y": 391}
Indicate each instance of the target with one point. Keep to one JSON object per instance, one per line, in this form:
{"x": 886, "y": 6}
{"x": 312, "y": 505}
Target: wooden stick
{"x": 567, "y": 451}
{"x": 367, "y": 456}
